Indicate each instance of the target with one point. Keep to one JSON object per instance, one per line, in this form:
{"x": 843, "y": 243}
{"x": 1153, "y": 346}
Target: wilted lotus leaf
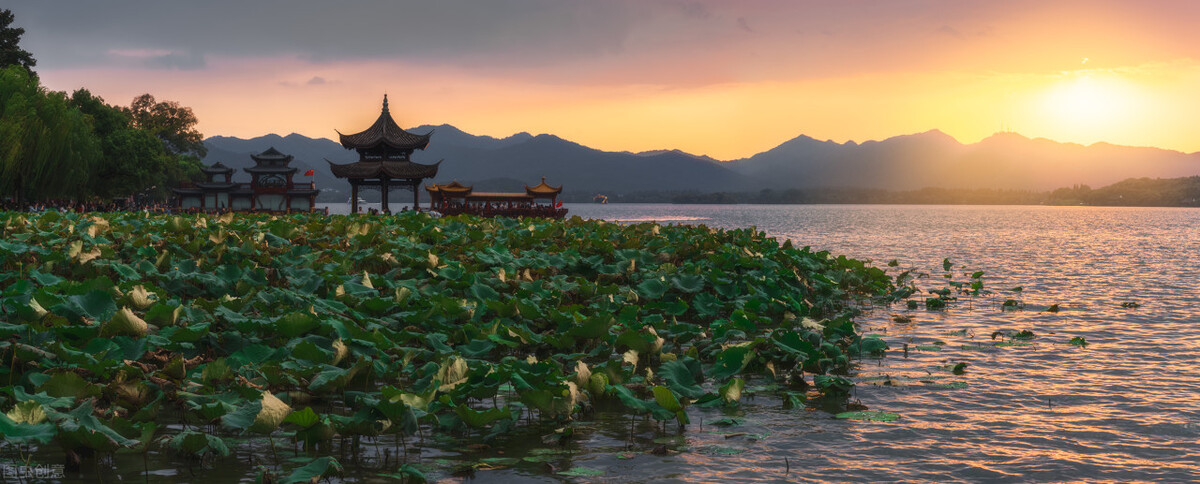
{"x": 140, "y": 297}
{"x": 28, "y": 412}
{"x": 583, "y": 375}
{"x": 273, "y": 412}
{"x": 125, "y": 323}
{"x": 452, "y": 373}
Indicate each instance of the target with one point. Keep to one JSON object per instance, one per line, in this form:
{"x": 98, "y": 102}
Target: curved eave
{"x": 543, "y": 190}
{"x": 270, "y": 169}
{"x": 272, "y": 159}
{"x": 384, "y": 169}
{"x": 385, "y": 132}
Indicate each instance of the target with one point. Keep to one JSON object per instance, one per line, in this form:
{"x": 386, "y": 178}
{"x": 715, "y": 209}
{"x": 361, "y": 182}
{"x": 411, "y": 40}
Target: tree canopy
{"x": 10, "y": 53}
{"x": 132, "y": 159}
{"x": 175, "y": 125}
{"x": 78, "y": 147}
{"x": 47, "y": 148}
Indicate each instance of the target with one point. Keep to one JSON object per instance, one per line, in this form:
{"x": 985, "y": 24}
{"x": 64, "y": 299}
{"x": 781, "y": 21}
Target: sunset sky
{"x": 726, "y": 79}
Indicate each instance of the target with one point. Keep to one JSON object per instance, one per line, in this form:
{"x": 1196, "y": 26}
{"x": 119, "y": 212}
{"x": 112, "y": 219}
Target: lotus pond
{"x": 299, "y": 347}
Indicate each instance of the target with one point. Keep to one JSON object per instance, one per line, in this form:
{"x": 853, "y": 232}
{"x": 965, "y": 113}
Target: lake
{"x": 1123, "y": 408}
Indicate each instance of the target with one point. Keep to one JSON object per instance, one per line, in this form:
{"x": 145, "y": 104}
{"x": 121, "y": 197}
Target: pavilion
{"x": 271, "y": 188}
{"x": 454, "y": 198}
{"x": 384, "y": 151}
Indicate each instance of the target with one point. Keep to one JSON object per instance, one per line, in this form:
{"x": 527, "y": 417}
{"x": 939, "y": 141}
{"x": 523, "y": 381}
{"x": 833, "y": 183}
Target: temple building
{"x": 455, "y": 198}
{"x": 271, "y": 188}
{"x": 384, "y": 151}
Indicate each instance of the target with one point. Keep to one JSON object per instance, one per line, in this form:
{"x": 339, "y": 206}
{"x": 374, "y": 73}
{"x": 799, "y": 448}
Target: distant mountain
{"x": 909, "y": 162}
{"x": 506, "y": 163}
{"x": 934, "y": 159}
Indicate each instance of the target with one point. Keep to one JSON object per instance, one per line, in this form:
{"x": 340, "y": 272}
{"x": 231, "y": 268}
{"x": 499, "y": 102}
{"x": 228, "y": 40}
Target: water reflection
{"x": 1115, "y": 410}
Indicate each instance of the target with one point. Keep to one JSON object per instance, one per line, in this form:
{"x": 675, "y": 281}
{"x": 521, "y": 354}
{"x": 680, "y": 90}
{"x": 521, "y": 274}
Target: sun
{"x": 1089, "y": 104}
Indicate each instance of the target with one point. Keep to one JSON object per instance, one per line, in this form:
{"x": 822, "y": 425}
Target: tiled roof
{"x": 543, "y": 190}
{"x": 385, "y": 131}
{"x": 272, "y": 156}
{"x": 217, "y": 168}
{"x": 383, "y": 169}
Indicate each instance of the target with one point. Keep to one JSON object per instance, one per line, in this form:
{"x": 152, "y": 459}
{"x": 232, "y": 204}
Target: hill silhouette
{"x": 1005, "y": 161}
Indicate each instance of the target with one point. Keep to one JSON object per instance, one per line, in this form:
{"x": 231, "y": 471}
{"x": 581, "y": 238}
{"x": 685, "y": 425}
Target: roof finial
{"x": 385, "y": 108}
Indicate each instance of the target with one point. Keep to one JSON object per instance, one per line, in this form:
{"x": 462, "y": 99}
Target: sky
{"x": 722, "y": 78}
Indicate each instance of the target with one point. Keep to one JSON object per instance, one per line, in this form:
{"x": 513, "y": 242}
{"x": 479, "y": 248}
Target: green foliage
{"x": 132, "y": 159}
{"x": 10, "y": 53}
{"x": 871, "y": 415}
{"x": 229, "y": 317}
{"x": 175, "y": 125}
{"x": 47, "y": 148}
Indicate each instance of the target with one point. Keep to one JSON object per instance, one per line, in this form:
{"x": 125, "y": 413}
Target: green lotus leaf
{"x": 689, "y": 283}
{"x": 681, "y": 378}
{"x": 731, "y": 361}
{"x": 316, "y": 470}
{"x": 79, "y": 428}
{"x": 581, "y": 472}
{"x": 295, "y": 324}
{"x": 68, "y": 384}
{"x": 96, "y": 305}
{"x": 481, "y": 418}
{"x": 24, "y": 433}
{"x": 197, "y": 443}
{"x": 303, "y": 418}
{"x": 871, "y": 415}
{"x": 666, "y": 399}
{"x": 651, "y": 289}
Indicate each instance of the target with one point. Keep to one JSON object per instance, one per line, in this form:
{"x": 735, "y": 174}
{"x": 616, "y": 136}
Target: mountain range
{"x": 929, "y": 159}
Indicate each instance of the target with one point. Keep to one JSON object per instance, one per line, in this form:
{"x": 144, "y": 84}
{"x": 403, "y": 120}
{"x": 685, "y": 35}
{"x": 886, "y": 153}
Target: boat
{"x": 600, "y": 198}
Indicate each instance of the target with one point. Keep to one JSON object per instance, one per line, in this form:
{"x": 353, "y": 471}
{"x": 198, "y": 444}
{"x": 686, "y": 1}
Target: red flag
{"x": 558, "y": 205}
{"x": 309, "y": 173}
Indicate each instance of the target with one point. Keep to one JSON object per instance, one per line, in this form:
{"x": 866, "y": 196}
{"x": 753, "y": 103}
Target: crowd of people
{"x": 60, "y": 205}
{"x": 501, "y": 209}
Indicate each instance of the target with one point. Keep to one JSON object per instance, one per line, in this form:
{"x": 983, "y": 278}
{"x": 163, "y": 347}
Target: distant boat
{"x": 600, "y": 198}
{"x": 360, "y": 201}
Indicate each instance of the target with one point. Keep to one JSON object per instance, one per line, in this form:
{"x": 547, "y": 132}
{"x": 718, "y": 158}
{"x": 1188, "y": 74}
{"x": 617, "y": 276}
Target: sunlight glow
{"x": 1088, "y": 105}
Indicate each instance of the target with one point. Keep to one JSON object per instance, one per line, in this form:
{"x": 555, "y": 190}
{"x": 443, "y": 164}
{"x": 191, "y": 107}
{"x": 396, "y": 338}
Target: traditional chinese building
{"x": 384, "y": 152}
{"x": 455, "y": 198}
{"x": 271, "y": 188}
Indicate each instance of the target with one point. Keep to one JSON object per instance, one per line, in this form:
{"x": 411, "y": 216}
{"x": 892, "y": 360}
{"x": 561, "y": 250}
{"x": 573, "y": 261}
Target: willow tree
{"x": 46, "y": 147}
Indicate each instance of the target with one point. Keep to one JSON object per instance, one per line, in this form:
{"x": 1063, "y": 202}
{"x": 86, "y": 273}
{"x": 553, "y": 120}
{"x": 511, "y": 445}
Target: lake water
{"x": 1122, "y": 409}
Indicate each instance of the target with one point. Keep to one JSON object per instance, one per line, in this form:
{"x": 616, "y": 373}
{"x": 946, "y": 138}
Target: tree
{"x": 10, "y": 53}
{"x": 175, "y": 125}
{"x": 46, "y": 147}
{"x": 132, "y": 159}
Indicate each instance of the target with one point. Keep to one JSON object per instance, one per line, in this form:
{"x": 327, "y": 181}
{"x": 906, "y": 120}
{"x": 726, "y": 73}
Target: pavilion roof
{"x": 385, "y": 132}
{"x": 384, "y": 169}
{"x": 217, "y": 168}
{"x": 543, "y": 190}
{"x": 272, "y": 156}
{"x": 452, "y": 188}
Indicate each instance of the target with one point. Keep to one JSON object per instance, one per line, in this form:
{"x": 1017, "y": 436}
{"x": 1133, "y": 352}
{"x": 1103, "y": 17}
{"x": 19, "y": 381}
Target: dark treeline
{"x": 77, "y": 150}
{"x": 1148, "y": 192}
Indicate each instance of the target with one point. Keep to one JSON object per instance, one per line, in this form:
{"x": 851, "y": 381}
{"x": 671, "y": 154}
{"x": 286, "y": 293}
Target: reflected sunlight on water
{"x": 1123, "y": 408}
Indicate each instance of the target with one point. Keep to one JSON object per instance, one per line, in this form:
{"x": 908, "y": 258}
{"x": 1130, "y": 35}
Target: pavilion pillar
{"x": 353, "y": 196}
{"x": 383, "y": 188}
{"x": 416, "y": 196}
